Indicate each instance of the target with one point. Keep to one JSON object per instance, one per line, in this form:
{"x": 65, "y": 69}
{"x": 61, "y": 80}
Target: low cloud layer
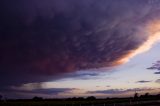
{"x": 34, "y": 89}
{"x": 45, "y": 39}
{"x": 119, "y": 91}
{"x": 47, "y": 93}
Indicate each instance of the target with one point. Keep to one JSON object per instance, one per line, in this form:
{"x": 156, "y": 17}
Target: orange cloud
{"x": 153, "y": 30}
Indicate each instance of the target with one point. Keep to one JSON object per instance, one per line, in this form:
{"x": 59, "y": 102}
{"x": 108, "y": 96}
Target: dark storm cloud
{"x": 43, "y": 39}
{"x": 24, "y": 93}
{"x": 119, "y": 91}
{"x": 143, "y": 81}
{"x": 51, "y": 91}
{"x": 34, "y": 88}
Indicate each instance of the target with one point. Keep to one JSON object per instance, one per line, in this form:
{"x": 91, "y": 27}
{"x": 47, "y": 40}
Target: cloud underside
{"x": 46, "y": 93}
{"x": 44, "y": 39}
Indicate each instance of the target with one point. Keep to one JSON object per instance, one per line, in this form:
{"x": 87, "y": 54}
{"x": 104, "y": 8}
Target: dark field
{"x": 116, "y": 102}
{"x": 142, "y": 100}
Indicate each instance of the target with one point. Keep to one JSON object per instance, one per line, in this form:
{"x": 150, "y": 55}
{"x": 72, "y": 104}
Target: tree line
{"x": 136, "y": 97}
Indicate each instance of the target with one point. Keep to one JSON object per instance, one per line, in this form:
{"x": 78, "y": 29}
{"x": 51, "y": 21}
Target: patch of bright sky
{"x": 135, "y": 70}
{"x": 124, "y": 76}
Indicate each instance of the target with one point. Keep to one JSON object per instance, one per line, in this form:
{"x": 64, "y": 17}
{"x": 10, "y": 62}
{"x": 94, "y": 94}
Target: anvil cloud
{"x": 43, "y": 39}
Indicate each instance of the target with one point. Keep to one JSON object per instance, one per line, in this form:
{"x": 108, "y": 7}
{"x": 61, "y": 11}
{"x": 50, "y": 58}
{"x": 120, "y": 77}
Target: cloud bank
{"x": 44, "y": 39}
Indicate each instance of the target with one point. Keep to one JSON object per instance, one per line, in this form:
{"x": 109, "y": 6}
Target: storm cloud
{"x": 44, "y": 39}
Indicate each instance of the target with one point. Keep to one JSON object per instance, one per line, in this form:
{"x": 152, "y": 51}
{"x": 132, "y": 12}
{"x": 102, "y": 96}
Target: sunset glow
{"x": 79, "y": 48}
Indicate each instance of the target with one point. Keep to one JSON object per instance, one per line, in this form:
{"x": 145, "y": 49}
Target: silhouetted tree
{"x": 37, "y": 98}
{"x": 1, "y": 97}
{"x": 136, "y": 96}
{"x": 74, "y": 98}
{"x": 91, "y": 98}
{"x": 80, "y": 98}
{"x": 146, "y": 95}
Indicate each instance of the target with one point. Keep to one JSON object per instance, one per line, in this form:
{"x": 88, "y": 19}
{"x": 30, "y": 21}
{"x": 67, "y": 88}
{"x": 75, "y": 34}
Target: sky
{"x": 79, "y": 48}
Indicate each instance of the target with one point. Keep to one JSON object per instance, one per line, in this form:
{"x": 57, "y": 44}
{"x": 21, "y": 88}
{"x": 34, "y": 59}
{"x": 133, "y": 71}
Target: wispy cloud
{"x": 84, "y": 75}
{"x": 155, "y": 66}
{"x": 157, "y": 72}
{"x": 143, "y": 81}
{"x": 108, "y": 86}
{"x": 119, "y": 91}
{"x": 157, "y": 81}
